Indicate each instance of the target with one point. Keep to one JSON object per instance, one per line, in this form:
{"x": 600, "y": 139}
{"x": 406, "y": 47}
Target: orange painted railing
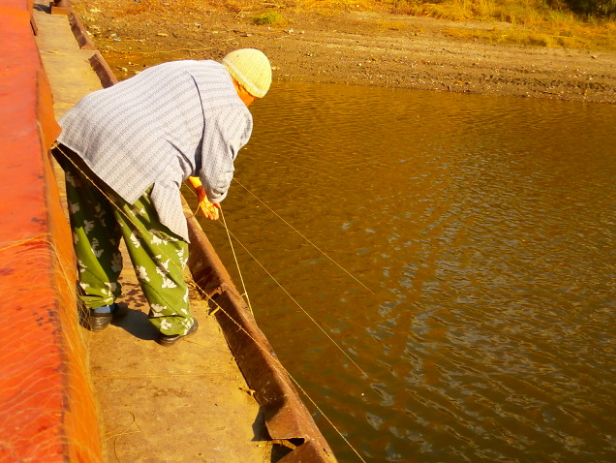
{"x": 47, "y": 411}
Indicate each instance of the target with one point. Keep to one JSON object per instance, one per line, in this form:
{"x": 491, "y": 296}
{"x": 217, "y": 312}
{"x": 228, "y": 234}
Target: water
{"x": 484, "y": 228}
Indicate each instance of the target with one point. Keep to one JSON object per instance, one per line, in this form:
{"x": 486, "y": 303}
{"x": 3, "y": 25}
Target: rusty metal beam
{"x": 286, "y": 416}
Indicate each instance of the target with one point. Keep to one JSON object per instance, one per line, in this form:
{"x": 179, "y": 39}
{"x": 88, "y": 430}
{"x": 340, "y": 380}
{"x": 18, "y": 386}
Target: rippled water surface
{"x": 484, "y": 229}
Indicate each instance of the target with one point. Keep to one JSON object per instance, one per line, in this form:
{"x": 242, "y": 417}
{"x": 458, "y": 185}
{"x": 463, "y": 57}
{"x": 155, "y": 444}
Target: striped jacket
{"x": 171, "y": 121}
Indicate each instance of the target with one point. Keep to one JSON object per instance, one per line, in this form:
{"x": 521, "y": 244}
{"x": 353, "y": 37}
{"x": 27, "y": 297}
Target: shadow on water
{"x": 484, "y": 228}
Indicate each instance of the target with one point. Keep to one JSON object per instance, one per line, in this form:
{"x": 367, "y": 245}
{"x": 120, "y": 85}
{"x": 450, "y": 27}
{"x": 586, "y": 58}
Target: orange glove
{"x": 210, "y": 210}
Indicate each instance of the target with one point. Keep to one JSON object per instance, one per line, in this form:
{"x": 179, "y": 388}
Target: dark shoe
{"x": 170, "y": 339}
{"x": 100, "y": 321}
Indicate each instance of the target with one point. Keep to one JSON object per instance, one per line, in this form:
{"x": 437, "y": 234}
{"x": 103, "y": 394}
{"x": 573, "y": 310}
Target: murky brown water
{"x": 485, "y": 228}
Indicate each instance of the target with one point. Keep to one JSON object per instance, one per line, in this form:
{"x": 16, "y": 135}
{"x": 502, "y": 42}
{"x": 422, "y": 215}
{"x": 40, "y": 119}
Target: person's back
{"x": 151, "y": 126}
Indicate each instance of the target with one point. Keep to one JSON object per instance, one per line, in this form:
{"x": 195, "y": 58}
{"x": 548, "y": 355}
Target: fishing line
{"x": 222, "y": 214}
{"x": 231, "y": 235}
{"x": 299, "y": 305}
{"x": 35, "y": 238}
{"x": 327, "y": 419}
{"x": 237, "y": 263}
{"x": 276, "y": 363}
{"x": 279, "y": 367}
{"x": 306, "y": 239}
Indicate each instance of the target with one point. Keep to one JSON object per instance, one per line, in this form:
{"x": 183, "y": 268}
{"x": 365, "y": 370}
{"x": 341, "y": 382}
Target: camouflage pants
{"x": 99, "y": 219}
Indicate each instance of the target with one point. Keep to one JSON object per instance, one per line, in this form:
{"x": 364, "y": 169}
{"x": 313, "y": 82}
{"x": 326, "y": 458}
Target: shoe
{"x": 170, "y": 339}
{"x": 100, "y": 321}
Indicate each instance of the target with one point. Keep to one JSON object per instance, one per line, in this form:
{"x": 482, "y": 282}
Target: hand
{"x": 210, "y": 210}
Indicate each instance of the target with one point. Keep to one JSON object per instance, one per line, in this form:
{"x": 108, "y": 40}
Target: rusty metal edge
{"x": 97, "y": 62}
{"x": 102, "y": 70}
{"x": 286, "y": 416}
{"x": 80, "y": 33}
{"x": 61, "y": 7}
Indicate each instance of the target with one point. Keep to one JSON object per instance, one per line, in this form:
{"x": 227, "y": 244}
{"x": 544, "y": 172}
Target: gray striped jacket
{"x": 171, "y": 121}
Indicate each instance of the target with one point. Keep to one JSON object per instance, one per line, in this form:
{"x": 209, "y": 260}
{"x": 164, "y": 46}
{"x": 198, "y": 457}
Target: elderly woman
{"x": 126, "y": 151}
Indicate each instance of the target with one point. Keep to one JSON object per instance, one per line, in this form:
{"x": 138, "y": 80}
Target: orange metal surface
{"x": 47, "y": 412}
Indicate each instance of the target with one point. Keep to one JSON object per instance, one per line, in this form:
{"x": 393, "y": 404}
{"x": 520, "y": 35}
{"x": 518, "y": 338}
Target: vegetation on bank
{"x": 548, "y": 23}
{"x": 559, "y": 23}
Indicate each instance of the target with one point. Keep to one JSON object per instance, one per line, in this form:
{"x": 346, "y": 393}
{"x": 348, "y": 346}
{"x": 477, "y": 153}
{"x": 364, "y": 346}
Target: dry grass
{"x": 326, "y": 7}
{"x": 534, "y": 22}
{"x": 569, "y": 36}
{"x": 270, "y": 18}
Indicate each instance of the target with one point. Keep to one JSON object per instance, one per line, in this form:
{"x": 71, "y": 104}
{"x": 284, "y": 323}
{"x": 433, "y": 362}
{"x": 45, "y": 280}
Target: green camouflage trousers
{"x": 158, "y": 255}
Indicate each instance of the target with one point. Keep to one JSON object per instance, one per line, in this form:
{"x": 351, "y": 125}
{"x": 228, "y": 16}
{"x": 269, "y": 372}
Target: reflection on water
{"x": 484, "y": 228}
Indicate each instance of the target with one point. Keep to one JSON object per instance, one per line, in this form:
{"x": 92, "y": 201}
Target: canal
{"x": 435, "y": 270}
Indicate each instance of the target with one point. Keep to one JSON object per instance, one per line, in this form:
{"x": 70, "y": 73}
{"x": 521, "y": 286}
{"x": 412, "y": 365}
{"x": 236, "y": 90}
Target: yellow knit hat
{"x": 251, "y": 69}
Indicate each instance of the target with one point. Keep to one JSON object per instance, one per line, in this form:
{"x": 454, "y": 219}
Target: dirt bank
{"x": 361, "y": 47}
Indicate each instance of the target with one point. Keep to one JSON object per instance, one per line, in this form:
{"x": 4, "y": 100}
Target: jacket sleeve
{"x": 224, "y": 135}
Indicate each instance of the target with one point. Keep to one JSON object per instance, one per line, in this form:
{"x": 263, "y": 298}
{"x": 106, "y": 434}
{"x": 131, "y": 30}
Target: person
{"x": 126, "y": 150}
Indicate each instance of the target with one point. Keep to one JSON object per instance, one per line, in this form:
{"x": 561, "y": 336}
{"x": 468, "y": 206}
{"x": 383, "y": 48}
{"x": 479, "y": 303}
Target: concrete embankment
{"x": 67, "y": 394}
